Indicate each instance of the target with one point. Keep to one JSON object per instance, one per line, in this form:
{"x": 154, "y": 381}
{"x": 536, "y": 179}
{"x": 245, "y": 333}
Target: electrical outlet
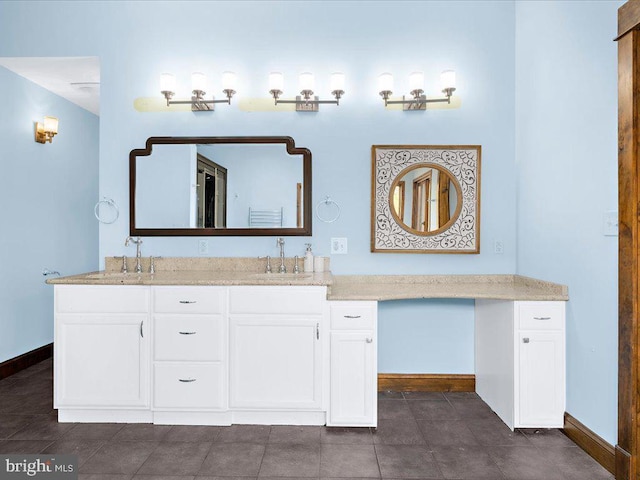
{"x": 339, "y": 246}
{"x": 203, "y": 247}
{"x": 498, "y": 247}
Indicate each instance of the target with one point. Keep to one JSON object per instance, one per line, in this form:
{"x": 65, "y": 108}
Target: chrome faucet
{"x": 138, "y": 243}
{"x": 280, "y": 243}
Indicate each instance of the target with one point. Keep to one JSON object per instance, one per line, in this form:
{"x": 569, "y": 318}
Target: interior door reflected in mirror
{"x": 220, "y": 186}
{"x": 425, "y": 199}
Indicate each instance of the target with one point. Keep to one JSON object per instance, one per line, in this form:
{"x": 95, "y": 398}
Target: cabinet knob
{"x": 525, "y": 340}
{"x": 369, "y": 340}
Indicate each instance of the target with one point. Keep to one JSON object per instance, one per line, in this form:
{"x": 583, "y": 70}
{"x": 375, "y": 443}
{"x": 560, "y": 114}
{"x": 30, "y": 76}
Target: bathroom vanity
{"x": 226, "y": 347}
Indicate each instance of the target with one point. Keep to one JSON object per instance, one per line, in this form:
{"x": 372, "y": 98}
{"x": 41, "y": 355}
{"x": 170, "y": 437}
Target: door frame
{"x": 627, "y": 448}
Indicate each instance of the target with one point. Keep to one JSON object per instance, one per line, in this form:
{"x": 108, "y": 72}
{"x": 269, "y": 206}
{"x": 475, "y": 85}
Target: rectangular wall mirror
{"x": 208, "y": 186}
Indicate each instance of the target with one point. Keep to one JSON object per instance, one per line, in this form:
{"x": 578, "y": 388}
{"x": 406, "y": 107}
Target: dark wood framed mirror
{"x": 220, "y": 186}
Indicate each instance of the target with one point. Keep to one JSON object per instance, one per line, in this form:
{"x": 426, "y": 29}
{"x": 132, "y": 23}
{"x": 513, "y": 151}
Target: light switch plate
{"x": 339, "y": 246}
{"x": 498, "y": 247}
{"x": 610, "y": 223}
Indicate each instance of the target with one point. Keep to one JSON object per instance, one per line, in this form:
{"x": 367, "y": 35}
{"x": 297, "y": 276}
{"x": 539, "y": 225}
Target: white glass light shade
{"x": 51, "y": 125}
{"x": 306, "y": 81}
{"x": 337, "y": 81}
{"x": 198, "y": 81}
{"x": 229, "y": 81}
{"x": 385, "y": 82}
{"x": 167, "y": 82}
{"x": 416, "y": 81}
{"x": 276, "y": 81}
{"x": 448, "y": 79}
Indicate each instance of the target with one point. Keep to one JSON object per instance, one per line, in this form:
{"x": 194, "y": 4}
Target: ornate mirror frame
{"x": 291, "y": 149}
{"x": 461, "y": 234}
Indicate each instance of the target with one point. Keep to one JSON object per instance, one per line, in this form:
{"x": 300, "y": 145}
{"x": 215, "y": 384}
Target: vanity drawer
{"x": 353, "y": 315}
{"x": 188, "y": 299}
{"x": 277, "y": 300}
{"x": 188, "y": 386}
{"x": 101, "y": 299}
{"x": 188, "y": 337}
{"x": 541, "y": 315}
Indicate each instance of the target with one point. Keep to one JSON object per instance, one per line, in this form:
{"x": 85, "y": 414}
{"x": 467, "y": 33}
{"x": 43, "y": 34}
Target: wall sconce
{"x": 46, "y": 130}
{"x": 416, "y": 82}
{"x": 303, "y": 102}
{"x": 198, "y": 82}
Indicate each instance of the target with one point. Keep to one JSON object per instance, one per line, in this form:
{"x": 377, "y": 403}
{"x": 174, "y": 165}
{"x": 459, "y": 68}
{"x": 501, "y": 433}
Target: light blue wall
{"x": 47, "y": 193}
{"x": 566, "y": 138}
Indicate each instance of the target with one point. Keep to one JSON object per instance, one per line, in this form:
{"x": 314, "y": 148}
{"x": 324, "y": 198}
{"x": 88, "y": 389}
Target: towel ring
{"x": 111, "y": 203}
{"x": 328, "y": 203}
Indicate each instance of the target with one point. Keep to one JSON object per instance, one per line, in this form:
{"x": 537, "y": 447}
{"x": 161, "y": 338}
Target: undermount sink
{"x": 111, "y": 275}
{"x": 283, "y": 276}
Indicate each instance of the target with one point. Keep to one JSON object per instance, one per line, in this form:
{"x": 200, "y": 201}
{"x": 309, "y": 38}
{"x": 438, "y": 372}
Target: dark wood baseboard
{"x": 421, "y": 382}
{"x": 14, "y": 365}
{"x": 592, "y": 443}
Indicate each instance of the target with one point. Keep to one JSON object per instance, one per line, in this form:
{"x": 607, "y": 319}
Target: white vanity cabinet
{"x": 353, "y": 367}
{"x": 189, "y": 353}
{"x": 101, "y": 353}
{"x": 520, "y": 361}
{"x": 275, "y": 346}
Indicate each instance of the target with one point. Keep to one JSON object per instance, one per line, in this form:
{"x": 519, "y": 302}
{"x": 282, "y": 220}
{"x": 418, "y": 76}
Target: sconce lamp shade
{"x": 198, "y": 81}
{"x": 337, "y": 82}
{"x": 51, "y": 125}
{"x": 416, "y": 81}
{"x": 448, "y": 79}
{"x": 167, "y": 82}
{"x": 276, "y": 81}
{"x": 306, "y": 81}
{"x": 229, "y": 81}
{"x": 385, "y": 82}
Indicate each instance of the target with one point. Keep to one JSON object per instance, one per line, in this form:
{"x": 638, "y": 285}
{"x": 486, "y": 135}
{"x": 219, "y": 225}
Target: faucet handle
{"x": 124, "y": 264}
{"x": 268, "y": 268}
{"x": 296, "y": 268}
{"x": 152, "y": 265}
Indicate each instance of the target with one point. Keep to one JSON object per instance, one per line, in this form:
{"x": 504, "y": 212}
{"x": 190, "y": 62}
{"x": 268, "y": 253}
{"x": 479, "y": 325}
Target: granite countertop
{"x": 396, "y": 287}
{"x": 247, "y": 271}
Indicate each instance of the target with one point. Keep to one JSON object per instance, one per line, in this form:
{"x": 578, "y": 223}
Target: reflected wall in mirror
{"x": 425, "y": 199}
{"x": 220, "y": 186}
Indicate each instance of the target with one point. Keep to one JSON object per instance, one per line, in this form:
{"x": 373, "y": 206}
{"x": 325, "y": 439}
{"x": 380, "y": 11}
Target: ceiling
{"x": 75, "y": 78}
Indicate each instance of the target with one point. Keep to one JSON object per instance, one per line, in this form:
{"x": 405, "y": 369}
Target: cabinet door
{"x": 275, "y": 362}
{"x": 541, "y": 379}
{"x": 102, "y": 360}
{"x": 353, "y": 399}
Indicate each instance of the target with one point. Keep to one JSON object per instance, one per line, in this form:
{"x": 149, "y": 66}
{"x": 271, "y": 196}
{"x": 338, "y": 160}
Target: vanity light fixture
{"x": 306, "y": 102}
{"x": 416, "y": 83}
{"x": 46, "y": 130}
{"x": 198, "y": 83}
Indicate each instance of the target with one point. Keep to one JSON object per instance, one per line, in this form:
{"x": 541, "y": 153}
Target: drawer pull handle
{"x": 542, "y": 318}
{"x": 525, "y": 340}
{"x": 317, "y": 331}
{"x": 187, "y": 380}
{"x": 141, "y": 331}
{"x": 352, "y": 316}
{"x": 369, "y": 340}
{"x": 187, "y": 301}
{"x": 187, "y": 333}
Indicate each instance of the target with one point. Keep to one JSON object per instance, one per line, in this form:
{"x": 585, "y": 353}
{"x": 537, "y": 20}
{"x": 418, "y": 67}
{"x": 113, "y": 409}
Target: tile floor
{"x": 420, "y": 436}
